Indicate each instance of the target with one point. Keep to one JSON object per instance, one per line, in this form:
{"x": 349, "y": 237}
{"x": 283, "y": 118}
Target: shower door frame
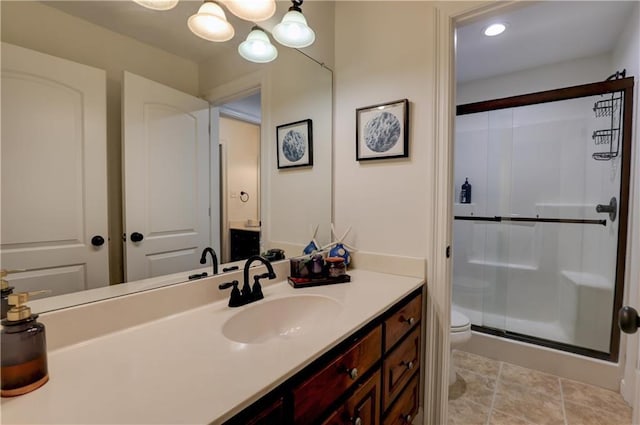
{"x": 624, "y": 85}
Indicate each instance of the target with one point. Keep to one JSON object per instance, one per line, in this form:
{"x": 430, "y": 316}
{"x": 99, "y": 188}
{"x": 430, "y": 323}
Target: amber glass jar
{"x": 24, "y": 356}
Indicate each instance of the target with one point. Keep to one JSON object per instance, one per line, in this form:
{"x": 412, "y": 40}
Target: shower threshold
{"x": 561, "y": 346}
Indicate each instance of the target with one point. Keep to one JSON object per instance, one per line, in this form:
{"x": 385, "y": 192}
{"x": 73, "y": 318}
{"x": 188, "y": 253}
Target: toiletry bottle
{"x": 23, "y": 348}
{"x": 465, "y": 192}
{"x": 6, "y": 291}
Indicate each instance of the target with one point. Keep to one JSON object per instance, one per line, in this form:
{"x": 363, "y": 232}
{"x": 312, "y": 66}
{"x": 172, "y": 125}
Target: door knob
{"x": 136, "y": 237}
{"x": 97, "y": 240}
{"x": 628, "y": 319}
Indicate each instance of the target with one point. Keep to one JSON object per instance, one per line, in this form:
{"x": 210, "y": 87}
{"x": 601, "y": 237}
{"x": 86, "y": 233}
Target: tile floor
{"x": 489, "y": 392}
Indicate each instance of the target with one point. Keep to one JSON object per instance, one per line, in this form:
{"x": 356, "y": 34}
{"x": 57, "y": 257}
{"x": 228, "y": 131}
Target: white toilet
{"x": 460, "y": 334}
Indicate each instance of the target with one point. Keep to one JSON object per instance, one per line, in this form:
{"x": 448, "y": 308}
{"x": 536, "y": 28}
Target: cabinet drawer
{"x": 314, "y": 395}
{"x": 400, "y": 366}
{"x": 402, "y": 321}
{"x": 406, "y": 407}
{"x": 363, "y": 407}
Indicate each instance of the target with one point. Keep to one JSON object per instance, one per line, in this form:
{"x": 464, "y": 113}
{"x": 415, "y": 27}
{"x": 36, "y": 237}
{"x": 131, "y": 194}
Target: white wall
{"x": 39, "y": 27}
{"x": 546, "y": 77}
{"x": 384, "y": 52}
{"x": 297, "y": 199}
{"x": 627, "y": 55}
{"x": 241, "y": 141}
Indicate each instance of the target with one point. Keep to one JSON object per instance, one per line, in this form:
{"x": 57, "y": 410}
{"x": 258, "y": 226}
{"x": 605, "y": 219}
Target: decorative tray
{"x": 305, "y": 282}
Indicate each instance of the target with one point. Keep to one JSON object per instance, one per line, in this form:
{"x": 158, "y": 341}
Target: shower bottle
{"x": 465, "y": 192}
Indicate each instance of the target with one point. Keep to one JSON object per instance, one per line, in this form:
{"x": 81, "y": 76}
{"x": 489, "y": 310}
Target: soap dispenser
{"x": 23, "y": 348}
{"x": 6, "y": 291}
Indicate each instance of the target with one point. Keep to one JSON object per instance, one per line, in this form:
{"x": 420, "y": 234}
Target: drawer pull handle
{"x": 410, "y": 321}
{"x": 407, "y": 418}
{"x": 353, "y": 373}
{"x": 408, "y": 365}
{"x": 357, "y": 421}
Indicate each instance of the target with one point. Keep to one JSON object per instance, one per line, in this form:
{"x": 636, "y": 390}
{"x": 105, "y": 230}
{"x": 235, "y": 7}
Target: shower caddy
{"x": 609, "y": 107}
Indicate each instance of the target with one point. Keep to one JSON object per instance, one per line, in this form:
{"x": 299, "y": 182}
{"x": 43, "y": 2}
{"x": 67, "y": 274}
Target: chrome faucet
{"x": 214, "y": 258}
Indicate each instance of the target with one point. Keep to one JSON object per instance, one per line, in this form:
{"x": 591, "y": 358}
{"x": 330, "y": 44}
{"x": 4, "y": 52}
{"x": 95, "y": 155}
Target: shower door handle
{"x": 611, "y": 208}
{"x": 628, "y": 320}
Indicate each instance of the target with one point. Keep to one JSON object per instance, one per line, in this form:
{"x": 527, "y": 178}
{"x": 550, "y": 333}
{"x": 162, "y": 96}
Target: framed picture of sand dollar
{"x": 295, "y": 144}
{"x": 382, "y": 131}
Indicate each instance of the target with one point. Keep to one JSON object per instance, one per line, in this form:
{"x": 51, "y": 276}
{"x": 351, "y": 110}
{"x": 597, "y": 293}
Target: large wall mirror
{"x": 229, "y": 184}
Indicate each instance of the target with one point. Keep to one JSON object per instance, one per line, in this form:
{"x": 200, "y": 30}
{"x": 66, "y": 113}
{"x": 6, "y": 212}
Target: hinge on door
{"x": 448, "y": 251}
{"x": 209, "y": 211}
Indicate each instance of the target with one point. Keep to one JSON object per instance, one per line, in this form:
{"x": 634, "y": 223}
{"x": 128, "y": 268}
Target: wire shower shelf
{"x": 609, "y": 107}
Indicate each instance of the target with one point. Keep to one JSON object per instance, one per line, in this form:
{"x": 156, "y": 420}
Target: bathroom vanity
{"x": 325, "y": 354}
{"x": 372, "y": 377}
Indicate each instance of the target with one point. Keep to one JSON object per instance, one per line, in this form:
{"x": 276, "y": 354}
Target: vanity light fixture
{"x": 293, "y": 30}
{"x": 494, "y": 29}
{"x": 211, "y": 23}
{"x": 257, "y": 47}
{"x": 157, "y": 4}
{"x": 252, "y": 10}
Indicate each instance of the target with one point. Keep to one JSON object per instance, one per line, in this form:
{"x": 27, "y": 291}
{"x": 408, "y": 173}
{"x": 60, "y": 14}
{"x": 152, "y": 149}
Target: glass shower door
{"x": 539, "y": 252}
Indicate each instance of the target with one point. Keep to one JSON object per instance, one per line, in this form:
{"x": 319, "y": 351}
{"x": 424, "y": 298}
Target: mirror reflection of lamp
{"x": 211, "y": 23}
{"x": 157, "y": 4}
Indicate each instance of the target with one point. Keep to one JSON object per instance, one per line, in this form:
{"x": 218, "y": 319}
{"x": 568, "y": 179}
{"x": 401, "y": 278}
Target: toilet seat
{"x": 459, "y": 322}
{"x": 460, "y": 333}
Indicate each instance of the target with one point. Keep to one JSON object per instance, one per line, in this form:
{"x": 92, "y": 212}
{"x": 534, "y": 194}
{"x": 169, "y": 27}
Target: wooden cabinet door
{"x": 317, "y": 393}
{"x": 362, "y": 408}
{"x": 405, "y": 408}
{"x": 400, "y": 365}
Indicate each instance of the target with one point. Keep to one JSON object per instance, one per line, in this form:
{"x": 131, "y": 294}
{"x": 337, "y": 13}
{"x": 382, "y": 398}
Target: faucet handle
{"x": 235, "y": 300}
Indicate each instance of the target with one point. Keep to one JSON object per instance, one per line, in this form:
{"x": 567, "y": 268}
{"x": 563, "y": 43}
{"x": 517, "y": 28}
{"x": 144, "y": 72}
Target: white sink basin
{"x": 281, "y": 318}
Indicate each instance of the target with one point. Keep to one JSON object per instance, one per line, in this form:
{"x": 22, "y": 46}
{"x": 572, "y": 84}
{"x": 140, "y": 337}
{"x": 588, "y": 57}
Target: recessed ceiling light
{"x": 494, "y": 29}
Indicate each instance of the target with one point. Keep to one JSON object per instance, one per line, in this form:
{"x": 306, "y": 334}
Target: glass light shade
{"x": 252, "y": 10}
{"x": 293, "y": 31}
{"x": 157, "y": 4}
{"x": 257, "y": 47}
{"x": 211, "y": 23}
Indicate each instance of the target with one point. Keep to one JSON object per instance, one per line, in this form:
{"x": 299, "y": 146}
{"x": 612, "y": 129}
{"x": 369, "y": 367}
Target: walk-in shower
{"x": 539, "y": 248}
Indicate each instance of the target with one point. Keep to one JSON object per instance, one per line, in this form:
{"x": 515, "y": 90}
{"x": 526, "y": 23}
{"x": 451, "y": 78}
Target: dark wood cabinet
{"x": 400, "y": 365}
{"x": 270, "y": 415}
{"x": 370, "y": 378}
{"x": 244, "y": 244}
{"x": 316, "y": 394}
{"x": 404, "y": 410}
{"x": 362, "y": 408}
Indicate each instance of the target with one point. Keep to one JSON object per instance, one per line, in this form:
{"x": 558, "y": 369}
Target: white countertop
{"x": 182, "y": 369}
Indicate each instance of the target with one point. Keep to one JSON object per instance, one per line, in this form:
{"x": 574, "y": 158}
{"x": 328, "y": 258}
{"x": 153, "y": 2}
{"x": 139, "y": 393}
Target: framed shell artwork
{"x": 295, "y": 144}
{"x": 382, "y": 131}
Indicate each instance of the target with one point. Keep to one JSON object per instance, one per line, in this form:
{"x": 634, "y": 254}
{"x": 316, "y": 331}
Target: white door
{"x": 166, "y": 178}
{"x": 54, "y": 185}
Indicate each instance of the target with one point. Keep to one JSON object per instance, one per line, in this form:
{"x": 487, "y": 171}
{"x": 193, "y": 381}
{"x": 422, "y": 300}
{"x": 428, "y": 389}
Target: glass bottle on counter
{"x": 23, "y": 348}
